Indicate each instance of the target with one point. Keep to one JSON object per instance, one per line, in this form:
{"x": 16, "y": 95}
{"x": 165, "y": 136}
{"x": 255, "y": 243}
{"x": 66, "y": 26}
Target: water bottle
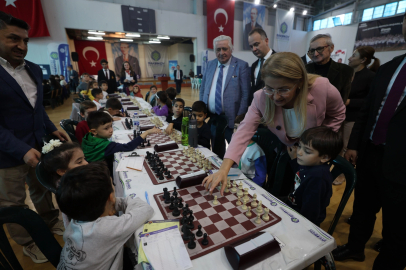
{"x": 136, "y": 122}
{"x": 185, "y": 131}
{"x": 193, "y": 133}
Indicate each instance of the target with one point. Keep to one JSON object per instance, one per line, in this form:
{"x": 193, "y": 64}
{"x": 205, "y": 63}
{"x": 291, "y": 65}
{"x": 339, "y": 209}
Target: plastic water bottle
{"x": 136, "y": 122}
{"x": 192, "y": 133}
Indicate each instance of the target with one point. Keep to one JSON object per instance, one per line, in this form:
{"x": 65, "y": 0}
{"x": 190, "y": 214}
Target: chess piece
{"x": 244, "y": 205}
{"x": 176, "y": 212}
{"x": 172, "y": 206}
{"x": 191, "y": 217}
{"x": 215, "y": 201}
{"x": 161, "y": 176}
{"x": 199, "y": 232}
{"x": 190, "y": 224}
{"x": 148, "y": 143}
{"x": 265, "y": 216}
{"x": 254, "y": 196}
{"x": 239, "y": 192}
{"x": 165, "y": 189}
{"x": 254, "y": 203}
{"x": 191, "y": 244}
{"x": 227, "y": 188}
{"x": 248, "y": 213}
{"x": 186, "y": 232}
{"x": 234, "y": 188}
{"x": 258, "y": 219}
{"x": 180, "y": 204}
{"x": 167, "y": 199}
{"x": 205, "y": 241}
{"x": 174, "y": 192}
{"x": 259, "y": 208}
{"x": 246, "y": 198}
{"x": 238, "y": 203}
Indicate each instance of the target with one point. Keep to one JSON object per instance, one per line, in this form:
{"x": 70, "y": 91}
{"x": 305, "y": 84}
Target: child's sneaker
{"x": 34, "y": 253}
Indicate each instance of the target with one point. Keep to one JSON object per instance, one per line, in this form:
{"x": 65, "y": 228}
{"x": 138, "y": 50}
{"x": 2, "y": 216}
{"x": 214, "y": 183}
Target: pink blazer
{"x": 324, "y": 107}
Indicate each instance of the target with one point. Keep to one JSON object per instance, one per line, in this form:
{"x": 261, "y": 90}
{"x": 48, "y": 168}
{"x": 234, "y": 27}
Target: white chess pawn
{"x": 265, "y": 216}
{"x": 248, "y": 213}
{"x": 259, "y": 208}
{"x": 254, "y": 197}
{"x": 215, "y": 201}
{"x": 254, "y": 203}
{"x": 238, "y": 203}
{"x": 258, "y": 219}
{"x": 227, "y": 188}
{"x": 246, "y": 198}
{"x": 244, "y": 205}
{"x": 234, "y": 188}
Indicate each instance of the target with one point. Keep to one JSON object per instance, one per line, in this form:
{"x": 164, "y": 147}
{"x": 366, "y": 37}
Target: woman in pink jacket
{"x": 291, "y": 102}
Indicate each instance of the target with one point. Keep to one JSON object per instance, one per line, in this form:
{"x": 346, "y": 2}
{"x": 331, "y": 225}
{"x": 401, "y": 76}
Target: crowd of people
{"x": 316, "y": 107}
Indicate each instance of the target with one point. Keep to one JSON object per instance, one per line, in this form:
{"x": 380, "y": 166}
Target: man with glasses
{"x": 339, "y": 75}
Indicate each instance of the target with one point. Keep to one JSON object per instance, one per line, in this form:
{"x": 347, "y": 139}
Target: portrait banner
{"x": 156, "y": 60}
{"x": 124, "y": 51}
{"x": 283, "y": 30}
{"x": 339, "y": 55}
{"x": 253, "y": 17}
{"x": 383, "y": 35}
{"x": 220, "y": 20}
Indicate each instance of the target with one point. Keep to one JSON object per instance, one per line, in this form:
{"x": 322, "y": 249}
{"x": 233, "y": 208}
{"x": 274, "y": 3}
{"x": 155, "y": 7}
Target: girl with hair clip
{"x": 164, "y": 106}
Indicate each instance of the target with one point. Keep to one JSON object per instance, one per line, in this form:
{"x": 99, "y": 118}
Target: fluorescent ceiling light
{"x": 164, "y": 37}
{"x": 154, "y": 41}
{"x": 292, "y": 9}
{"x": 96, "y": 33}
{"x": 275, "y": 6}
{"x": 132, "y": 35}
{"x": 98, "y": 38}
{"x": 304, "y": 12}
{"x": 126, "y": 39}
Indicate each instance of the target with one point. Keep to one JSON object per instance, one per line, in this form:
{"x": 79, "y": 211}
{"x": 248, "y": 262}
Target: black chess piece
{"x": 165, "y": 191}
{"x": 168, "y": 175}
{"x": 174, "y": 192}
{"x": 176, "y": 211}
{"x": 190, "y": 224}
{"x": 167, "y": 199}
{"x": 180, "y": 204}
{"x": 191, "y": 217}
{"x": 131, "y": 122}
{"x": 186, "y": 208}
{"x": 161, "y": 177}
{"x": 205, "y": 241}
{"x": 199, "y": 232}
{"x": 149, "y": 144}
{"x": 192, "y": 243}
{"x": 183, "y": 220}
{"x": 172, "y": 206}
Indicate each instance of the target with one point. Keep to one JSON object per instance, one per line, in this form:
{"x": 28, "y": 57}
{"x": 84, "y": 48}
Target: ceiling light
{"x": 154, "y": 41}
{"x": 126, "y": 39}
{"x": 304, "y": 12}
{"x": 98, "y": 38}
{"x": 164, "y": 37}
{"x": 274, "y": 6}
{"x": 292, "y": 9}
{"x": 96, "y": 33}
{"x": 132, "y": 35}
{"x": 257, "y": 2}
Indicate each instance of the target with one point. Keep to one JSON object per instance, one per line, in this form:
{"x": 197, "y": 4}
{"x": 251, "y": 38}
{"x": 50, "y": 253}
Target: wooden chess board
{"x": 224, "y": 223}
{"x": 153, "y": 139}
{"x": 177, "y": 163}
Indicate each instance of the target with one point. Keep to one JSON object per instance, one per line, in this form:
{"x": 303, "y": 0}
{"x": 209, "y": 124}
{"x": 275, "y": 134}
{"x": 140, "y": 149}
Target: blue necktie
{"x": 219, "y": 86}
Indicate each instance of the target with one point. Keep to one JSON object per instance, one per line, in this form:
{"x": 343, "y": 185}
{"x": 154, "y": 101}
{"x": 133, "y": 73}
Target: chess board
{"x": 224, "y": 223}
{"x": 153, "y": 139}
{"x": 177, "y": 163}
{"x": 145, "y": 122}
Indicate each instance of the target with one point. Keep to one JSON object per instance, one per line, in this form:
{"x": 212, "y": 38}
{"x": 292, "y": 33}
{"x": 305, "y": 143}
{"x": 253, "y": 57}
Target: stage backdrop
{"x": 220, "y": 20}
{"x": 253, "y": 17}
{"x": 90, "y": 54}
{"x": 156, "y": 60}
{"x": 383, "y": 35}
{"x": 284, "y": 28}
{"x": 124, "y": 51}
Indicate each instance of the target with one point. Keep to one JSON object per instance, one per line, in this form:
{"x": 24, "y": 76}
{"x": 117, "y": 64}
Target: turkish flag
{"x": 220, "y": 20}
{"x": 90, "y": 54}
{"x": 31, "y": 12}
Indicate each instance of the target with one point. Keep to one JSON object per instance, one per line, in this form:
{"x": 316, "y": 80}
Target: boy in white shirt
{"x": 62, "y": 81}
{"x": 103, "y": 86}
{"x": 98, "y": 95}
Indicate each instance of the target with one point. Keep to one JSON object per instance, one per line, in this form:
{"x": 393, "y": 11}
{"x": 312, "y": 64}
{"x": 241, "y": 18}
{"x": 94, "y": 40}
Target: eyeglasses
{"x": 319, "y": 50}
{"x": 282, "y": 92}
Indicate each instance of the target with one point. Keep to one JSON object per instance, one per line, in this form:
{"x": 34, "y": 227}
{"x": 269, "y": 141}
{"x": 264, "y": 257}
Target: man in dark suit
{"x": 134, "y": 63}
{"x": 339, "y": 75}
{"x": 107, "y": 75}
{"x": 73, "y": 79}
{"x": 22, "y": 124}
{"x": 178, "y": 74}
{"x": 259, "y": 44}
{"x": 249, "y": 26}
{"x": 378, "y": 140}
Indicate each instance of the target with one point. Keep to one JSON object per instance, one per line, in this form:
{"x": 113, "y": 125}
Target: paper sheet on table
{"x": 234, "y": 174}
{"x": 165, "y": 249}
{"x": 206, "y": 152}
{"x": 130, "y": 163}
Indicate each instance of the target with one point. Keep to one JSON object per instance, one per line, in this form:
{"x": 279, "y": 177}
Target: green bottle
{"x": 185, "y": 131}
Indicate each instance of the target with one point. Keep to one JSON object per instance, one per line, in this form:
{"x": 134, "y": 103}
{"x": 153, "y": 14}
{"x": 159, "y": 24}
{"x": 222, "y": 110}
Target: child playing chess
{"x": 253, "y": 161}
{"x": 175, "y": 120}
{"x": 150, "y": 97}
{"x": 164, "y": 105}
{"x": 98, "y": 95}
{"x": 134, "y": 91}
{"x": 313, "y": 180}
{"x": 96, "y": 144}
{"x": 104, "y": 87}
{"x": 82, "y": 128}
{"x": 199, "y": 110}
{"x": 88, "y": 92}
{"x": 113, "y": 108}
{"x": 95, "y": 237}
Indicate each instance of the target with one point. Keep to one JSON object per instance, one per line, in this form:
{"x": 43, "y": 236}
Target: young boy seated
{"x": 97, "y": 93}
{"x": 313, "y": 180}
{"x": 82, "y": 128}
{"x": 171, "y": 93}
{"x": 113, "y": 108}
{"x": 175, "y": 120}
{"x": 96, "y": 145}
{"x": 199, "y": 110}
{"x": 253, "y": 161}
{"x": 88, "y": 93}
{"x": 95, "y": 237}
{"x": 150, "y": 97}
{"x": 104, "y": 87}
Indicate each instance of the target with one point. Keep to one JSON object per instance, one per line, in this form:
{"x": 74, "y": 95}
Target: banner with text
{"x": 59, "y": 58}
{"x": 383, "y": 35}
{"x": 156, "y": 59}
{"x": 284, "y": 28}
{"x": 172, "y": 67}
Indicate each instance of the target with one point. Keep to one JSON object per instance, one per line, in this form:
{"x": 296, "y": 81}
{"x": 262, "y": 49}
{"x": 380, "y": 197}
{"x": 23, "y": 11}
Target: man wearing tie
{"x": 225, "y": 88}
{"x": 107, "y": 75}
{"x": 178, "y": 74}
{"x": 73, "y": 79}
{"x": 259, "y": 44}
{"x": 250, "y": 26}
{"x": 378, "y": 140}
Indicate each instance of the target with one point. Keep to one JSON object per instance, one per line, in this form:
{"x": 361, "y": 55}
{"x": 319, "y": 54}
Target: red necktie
{"x": 105, "y": 72}
{"x": 389, "y": 108}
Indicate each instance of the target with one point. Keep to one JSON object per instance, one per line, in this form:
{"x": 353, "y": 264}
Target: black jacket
{"x": 112, "y": 83}
{"x": 181, "y": 75}
{"x": 394, "y": 158}
{"x": 339, "y": 75}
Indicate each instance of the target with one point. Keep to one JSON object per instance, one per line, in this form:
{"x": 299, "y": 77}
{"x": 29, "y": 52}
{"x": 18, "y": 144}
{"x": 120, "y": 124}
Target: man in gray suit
{"x": 225, "y": 88}
{"x": 118, "y": 62}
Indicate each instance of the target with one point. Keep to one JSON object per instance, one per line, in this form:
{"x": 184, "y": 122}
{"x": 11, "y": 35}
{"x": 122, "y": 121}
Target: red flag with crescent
{"x": 90, "y": 54}
{"x": 220, "y": 20}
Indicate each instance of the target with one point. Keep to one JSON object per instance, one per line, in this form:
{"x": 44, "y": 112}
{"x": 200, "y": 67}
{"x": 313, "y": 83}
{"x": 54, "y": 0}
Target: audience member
{"x": 226, "y": 89}
{"x": 150, "y": 97}
{"x": 127, "y": 75}
{"x": 191, "y": 73}
{"x": 164, "y": 106}
{"x": 82, "y": 128}
{"x": 97, "y": 93}
{"x": 175, "y": 120}
{"x": 171, "y": 93}
{"x": 84, "y": 84}
{"x": 73, "y": 79}
{"x": 178, "y": 74}
{"x": 339, "y": 75}
{"x": 106, "y": 74}
{"x": 199, "y": 111}
{"x": 134, "y": 90}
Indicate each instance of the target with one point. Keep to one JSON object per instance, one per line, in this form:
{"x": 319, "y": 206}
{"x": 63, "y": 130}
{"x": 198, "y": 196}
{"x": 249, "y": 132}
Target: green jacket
{"x": 94, "y": 148}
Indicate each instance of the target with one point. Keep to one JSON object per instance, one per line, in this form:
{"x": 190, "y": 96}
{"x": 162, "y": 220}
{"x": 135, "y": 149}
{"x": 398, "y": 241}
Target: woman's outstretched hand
{"x": 213, "y": 180}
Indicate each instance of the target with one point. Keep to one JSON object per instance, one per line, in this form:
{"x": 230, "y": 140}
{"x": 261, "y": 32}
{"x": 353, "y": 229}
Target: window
{"x": 378, "y": 11}
{"x": 367, "y": 15}
{"x": 347, "y": 18}
{"x": 401, "y": 7}
{"x": 330, "y": 22}
{"x": 323, "y": 23}
{"x": 390, "y": 9}
{"x": 337, "y": 21}
{"x": 316, "y": 25}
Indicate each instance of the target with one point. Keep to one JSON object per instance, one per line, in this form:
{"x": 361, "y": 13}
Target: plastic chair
{"x": 187, "y": 111}
{"x": 69, "y": 126}
{"x": 193, "y": 82}
{"x": 36, "y": 228}
{"x": 44, "y": 178}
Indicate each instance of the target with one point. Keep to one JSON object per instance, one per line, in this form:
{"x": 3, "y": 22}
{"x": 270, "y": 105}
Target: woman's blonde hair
{"x": 289, "y": 66}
